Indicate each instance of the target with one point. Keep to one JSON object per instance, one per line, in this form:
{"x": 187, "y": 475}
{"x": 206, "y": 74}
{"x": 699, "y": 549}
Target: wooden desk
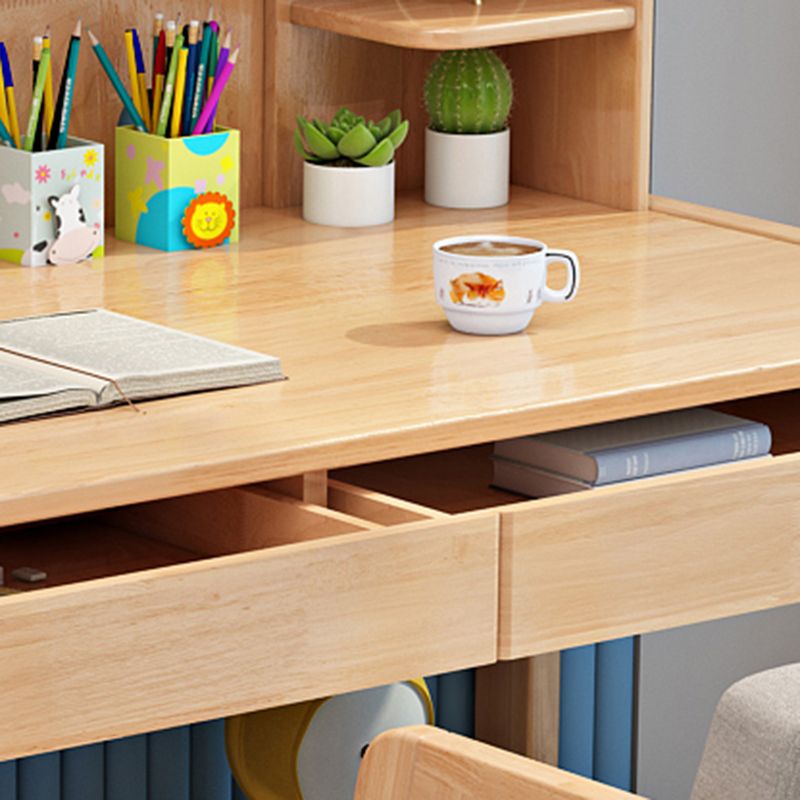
{"x": 672, "y": 313}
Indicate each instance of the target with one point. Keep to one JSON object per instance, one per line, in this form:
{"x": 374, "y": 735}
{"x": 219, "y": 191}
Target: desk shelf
{"x": 454, "y": 24}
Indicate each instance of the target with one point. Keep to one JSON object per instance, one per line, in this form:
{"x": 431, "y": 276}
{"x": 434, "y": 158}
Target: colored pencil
{"x": 180, "y": 86}
{"x": 117, "y": 83}
{"x": 141, "y": 77}
{"x": 159, "y": 75}
{"x": 41, "y": 60}
{"x": 169, "y": 87}
{"x": 63, "y": 107}
{"x": 224, "y": 55}
{"x": 133, "y": 76}
{"x": 49, "y": 100}
{"x": 191, "y": 74}
{"x": 5, "y": 135}
{"x": 169, "y": 38}
{"x": 213, "y": 58}
{"x": 3, "y": 105}
{"x": 219, "y": 86}
{"x": 200, "y": 82}
{"x": 158, "y": 28}
{"x": 8, "y": 79}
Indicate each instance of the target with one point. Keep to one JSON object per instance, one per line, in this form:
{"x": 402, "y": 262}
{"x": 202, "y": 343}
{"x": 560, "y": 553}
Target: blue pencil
{"x": 191, "y": 76}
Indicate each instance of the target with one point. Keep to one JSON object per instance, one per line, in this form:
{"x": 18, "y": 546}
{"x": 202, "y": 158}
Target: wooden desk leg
{"x": 517, "y": 706}
{"x": 315, "y": 487}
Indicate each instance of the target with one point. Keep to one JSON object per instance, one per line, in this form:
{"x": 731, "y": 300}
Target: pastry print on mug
{"x": 492, "y": 285}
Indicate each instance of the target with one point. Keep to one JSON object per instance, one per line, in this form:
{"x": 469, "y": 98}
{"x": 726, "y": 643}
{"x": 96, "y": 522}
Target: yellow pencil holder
{"x": 51, "y": 204}
{"x": 177, "y": 194}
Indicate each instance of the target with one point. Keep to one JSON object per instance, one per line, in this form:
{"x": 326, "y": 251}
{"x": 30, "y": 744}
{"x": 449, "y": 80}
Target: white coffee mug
{"x": 493, "y": 294}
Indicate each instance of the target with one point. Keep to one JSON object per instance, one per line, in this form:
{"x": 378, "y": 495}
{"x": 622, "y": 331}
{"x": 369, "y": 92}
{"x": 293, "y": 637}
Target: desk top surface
{"x": 671, "y": 313}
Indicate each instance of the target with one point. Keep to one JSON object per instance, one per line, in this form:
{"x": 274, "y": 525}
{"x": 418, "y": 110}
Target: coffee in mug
{"x": 492, "y": 285}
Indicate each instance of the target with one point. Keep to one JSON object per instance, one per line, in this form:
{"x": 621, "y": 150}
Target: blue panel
{"x": 39, "y": 777}
{"x": 126, "y": 769}
{"x": 455, "y": 706}
{"x": 577, "y": 700}
{"x": 168, "y": 765}
{"x": 8, "y": 780}
{"x": 211, "y": 777}
{"x": 433, "y": 688}
{"x": 83, "y": 773}
{"x": 613, "y": 730}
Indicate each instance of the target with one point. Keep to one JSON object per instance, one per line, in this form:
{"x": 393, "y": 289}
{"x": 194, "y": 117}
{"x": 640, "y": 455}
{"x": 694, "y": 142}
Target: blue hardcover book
{"x": 126, "y": 768}
{"x": 83, "y": 773}
{"x": 626, "y": 449}
{"x": 455, "y": 702}
{"x": 8, "y": 779}
{"x": 169, "y": 764}
{"x": 39, "y": 777}
{"x": 613, "y": 720}
{"x": 576, "y": 710}
{"x": 211, "y": 776}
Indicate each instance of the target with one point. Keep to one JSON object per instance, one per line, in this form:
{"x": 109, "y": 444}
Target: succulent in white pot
{"x": 468, "y": 95}
{"x": 348, "y": 169}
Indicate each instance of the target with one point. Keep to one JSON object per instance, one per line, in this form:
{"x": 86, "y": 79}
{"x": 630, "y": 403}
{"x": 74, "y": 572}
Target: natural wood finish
{"x": 581, "y": 122}
{"x": 376, "y": 507}
{"x": 654, "y": 554}
{"x": 232, "y": 521}
{"x": 726, "y": 219}
{"x": 96, "y": 107}
{"x": 425, "y": 763}
{"x": 82, "y": 550}
{"x": 450, "y": 25}
{"x": 192, "y": 642}
{"x": 376, "y": 372}
{"x": 517, "y": 706}
{"x": 315, "y": 487}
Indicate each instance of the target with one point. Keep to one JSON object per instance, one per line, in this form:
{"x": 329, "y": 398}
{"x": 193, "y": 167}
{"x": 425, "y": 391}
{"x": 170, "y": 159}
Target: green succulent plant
{"x": 468, "y": 91}
{"x": 350, "y": 140}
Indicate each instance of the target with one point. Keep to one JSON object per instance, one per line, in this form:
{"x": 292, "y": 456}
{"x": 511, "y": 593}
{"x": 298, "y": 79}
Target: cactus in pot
{"x": 350, "y": 140}
{"x": 468, "y": 91}
{"x": 468, "y": 95}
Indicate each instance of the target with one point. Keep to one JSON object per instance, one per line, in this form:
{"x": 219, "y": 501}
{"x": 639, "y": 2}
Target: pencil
{"x": 8, "y": 79}
{"x": 191, "y": 68}
{"x": 180, "y": 83}
{"x": 169, "y": 87}
{"x": 158, "y": 78}
{"x": 36, "y": 99}
{"x": 3, "y": 105}
{"x": 63, "y": 107}
{"x": 49, "y": 105}
{"x": 117, "y": 84}
{"x": 5, "y": 134}
{"x": 38, "y": 46}
{"x": 224, "y": 54}
{"x": 219, "y": 85}
{"x": 158, "y": 28}
{"x": 172, "y": 30}
{"x": 200, "y": 82}
{"x": 132, "y": 74}
{"x": 213, "y": 57}
{"x": 141, "y": 76}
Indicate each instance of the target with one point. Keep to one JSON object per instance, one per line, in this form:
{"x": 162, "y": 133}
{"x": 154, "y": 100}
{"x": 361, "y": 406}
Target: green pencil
{"x": 36, "y": 100}
{"x": 117, "y": 83}
{"x": 202, "y": 71}
{"x": 169, "y": 87}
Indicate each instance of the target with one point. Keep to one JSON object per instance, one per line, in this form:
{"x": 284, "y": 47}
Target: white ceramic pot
{"x": 467, "y": 170}
{"x": 348, "y": 197}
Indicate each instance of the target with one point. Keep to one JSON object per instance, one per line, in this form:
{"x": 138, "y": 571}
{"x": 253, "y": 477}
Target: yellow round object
{"x": 312, "y": 750}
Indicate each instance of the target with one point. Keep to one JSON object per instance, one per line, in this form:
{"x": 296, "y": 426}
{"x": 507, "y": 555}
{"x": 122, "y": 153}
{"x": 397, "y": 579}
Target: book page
{"x": 22, "y": 378}
{"x": 145, "y": 359}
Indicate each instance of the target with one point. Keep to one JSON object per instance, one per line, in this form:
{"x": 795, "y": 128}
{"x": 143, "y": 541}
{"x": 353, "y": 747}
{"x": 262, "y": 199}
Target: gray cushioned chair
{"x": 753, "y": 748}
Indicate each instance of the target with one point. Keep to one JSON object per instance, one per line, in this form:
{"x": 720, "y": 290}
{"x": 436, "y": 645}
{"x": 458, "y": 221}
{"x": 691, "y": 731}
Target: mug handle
{"x": 573, "y": 278}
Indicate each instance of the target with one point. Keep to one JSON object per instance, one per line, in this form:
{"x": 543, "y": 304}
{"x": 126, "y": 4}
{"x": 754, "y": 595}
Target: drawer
{"x": 196, "y": 607}
{"x": 630, "y": 558}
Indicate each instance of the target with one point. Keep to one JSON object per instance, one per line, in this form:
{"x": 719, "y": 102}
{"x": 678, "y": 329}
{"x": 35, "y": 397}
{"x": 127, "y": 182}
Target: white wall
{"x": 726, "y": 107}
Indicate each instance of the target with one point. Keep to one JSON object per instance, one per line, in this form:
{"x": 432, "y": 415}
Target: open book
{"x": 128, "y": 358}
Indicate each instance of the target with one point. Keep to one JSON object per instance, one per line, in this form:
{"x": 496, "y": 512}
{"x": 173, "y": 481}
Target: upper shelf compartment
{"x": 455, "y": 24}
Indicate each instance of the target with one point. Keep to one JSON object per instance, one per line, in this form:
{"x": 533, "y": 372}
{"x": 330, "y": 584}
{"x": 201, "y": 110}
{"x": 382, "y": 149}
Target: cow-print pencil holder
{"x": 51, "y": 204}
{"x": 177, "y": 194}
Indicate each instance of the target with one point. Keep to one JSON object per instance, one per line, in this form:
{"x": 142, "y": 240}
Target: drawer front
{"x": 645, "y": 556}
{"x": 196, "y": 641}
